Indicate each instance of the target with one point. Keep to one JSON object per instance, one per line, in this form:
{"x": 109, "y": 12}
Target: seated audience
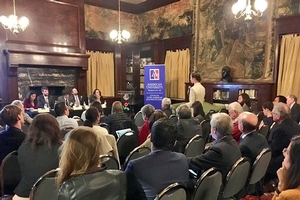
{"x": 30, "y": 102}
{"x": 27, "y": 118}
{"x": 278, "y": 99}
{"x": 12, "y": 137}
{"x": 80, "y": 175}
{"x": 223, "y": 153}
{"x": 251, "y": 142}
{"x": 187, "y": 125}
{"x": 197, "y": 111}
{"x": 147, "y": 111}
{"x": 267, "y": 108}
{"x": 39, "y": 152}
{"x": 291, "y": 101}
{"x": 45, "y": 100}
{"x": 106, "y": 147}
{"x": 103, "y": 117}
{"x": 289, "y": 173}
{"x": 166, "y": 106}
{"x": 75, "y": 100}
{"x": 116, "y": 117}
{"x": 148, "y": 175}
{"x": 91, "y": 99}
{"x": 97, "y": 93}
{"x": 245, "y": 101}
{"x": 234, "y": 110}
{"x": 280, "y": 135}
{"x": 64, "y": 97}
{"x": 62, "y": 112}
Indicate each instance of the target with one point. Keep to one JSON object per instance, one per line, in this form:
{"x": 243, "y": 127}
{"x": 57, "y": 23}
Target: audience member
{"x": 223, "y": 153}
{"x": 91, "y": 99}
{"x": 197, "y": 92}
{"x": 65, "y": 97}
{"x": 197, "y": 111}
{"x": 30, "y": 102}
{"x": 148, "y": 175}
{"x": 27, "y": 118}
{"x": 116, "y": 117}
{"x": 147, "y": 111}
{"x": 267, "y": 108}
{"x": 289, "y": 173}
{"x": 45, "y": 100}
{"x": 291, "y": 101}
{"x": 39, "y": 152}
{"x": 278, "y": 99}
{"x": 234, "y": 110}
{"x": 62, "y": 112}
{"x": 80, "y": 175}
{"x": 103, "y": 117}
{"x": 166, "y": 106}
{"x": 75, "y": 100}
{"x": 280, "y": 136}
{"x": 97, "y": 93}
{"x": 251, "y": 142}
{"x": 187, "y": 126}
{"x": 245, "y": 101}
{"x": 12, "y": 137}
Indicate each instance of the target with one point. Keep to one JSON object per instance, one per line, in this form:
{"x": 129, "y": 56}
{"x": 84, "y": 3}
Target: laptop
{"x": 123, "y": 131}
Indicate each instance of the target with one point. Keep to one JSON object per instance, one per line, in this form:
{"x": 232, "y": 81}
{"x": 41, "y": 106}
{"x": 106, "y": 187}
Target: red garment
{"x": 236, "y": 133}
{"x": 27, "y": 104}
{"x": 144, "y": 132}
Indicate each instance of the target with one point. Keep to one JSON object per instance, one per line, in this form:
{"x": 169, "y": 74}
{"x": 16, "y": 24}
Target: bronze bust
{"x": 226, "y": 77}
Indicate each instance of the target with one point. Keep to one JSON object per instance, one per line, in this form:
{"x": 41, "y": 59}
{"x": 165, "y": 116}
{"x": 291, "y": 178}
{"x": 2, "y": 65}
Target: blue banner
{"x": 154, "y": 85}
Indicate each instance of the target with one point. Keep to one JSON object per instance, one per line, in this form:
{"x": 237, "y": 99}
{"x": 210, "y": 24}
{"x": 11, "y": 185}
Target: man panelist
{"x": 45, "y": 100}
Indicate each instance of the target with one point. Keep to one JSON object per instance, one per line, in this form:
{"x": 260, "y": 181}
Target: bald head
{"x": 247, "y": 122}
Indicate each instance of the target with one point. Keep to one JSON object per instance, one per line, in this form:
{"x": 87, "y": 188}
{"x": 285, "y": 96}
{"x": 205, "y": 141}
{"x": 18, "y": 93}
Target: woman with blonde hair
{"x": 80, "y": 175}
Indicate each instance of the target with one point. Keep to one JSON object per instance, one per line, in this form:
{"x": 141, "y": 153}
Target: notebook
{"x": 122, "y": 131}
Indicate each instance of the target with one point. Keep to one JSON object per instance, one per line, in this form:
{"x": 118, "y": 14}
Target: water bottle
{"x": 45, "y": 106}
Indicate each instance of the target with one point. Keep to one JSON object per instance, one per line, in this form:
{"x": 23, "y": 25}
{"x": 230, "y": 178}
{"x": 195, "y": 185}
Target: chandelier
{"x": 119, "y": 35}
{"x": 12, "y": 22}
{"x": 243, "y": 8}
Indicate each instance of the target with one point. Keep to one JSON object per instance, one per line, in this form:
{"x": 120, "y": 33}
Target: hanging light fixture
{"x": 119, "y": 36}
{"x": 12, "y": 22}
{"x": 244, "y": 8}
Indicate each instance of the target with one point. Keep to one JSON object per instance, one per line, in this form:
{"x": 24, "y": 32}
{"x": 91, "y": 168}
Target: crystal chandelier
{"x": 119, "y": 36}
{"x": 243, "y": 8}
{"x": 12, "y": 22}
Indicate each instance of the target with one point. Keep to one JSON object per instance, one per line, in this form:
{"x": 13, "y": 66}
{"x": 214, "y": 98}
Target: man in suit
{"x": 75, "y": 100}
{"x": 187, "y": 125}
{"x": 65, "y": 97}
{"x": 197, "y": 92}
{"x": 280, "y": 135}
{"x": 291, "y": 101}
{"x": 166, "y": 106}
{"x": 251, "y": 142}
{"x": 45, "y": 100}
{"x": 12, "y": 137}
{"x": 223, "y": 153}
{"x": 149, "y": 175}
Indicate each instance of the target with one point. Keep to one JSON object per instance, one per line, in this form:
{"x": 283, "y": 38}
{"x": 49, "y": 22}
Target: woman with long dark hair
{"x": 245, "y": 101}
{"x": 197, "y": 111}
{"x": 97, "y": 93}
{"x": 30, "y": 102}
{"x": 289, "y": 174}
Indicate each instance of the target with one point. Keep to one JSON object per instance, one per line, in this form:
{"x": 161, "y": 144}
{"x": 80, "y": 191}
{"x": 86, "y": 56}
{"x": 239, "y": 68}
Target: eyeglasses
{"x": 285, "y": 152}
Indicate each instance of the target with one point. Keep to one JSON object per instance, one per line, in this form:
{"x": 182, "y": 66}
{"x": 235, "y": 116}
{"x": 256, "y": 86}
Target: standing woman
{"x": 38, "y": 154}
{"x": 80, "y": 175}
{"x": 245, "y": 101}
{"x": 97, "y": 93}
{"x": 289, "y": 174}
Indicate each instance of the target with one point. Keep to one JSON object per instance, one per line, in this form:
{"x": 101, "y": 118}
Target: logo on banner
{"x": 154, "y": 74}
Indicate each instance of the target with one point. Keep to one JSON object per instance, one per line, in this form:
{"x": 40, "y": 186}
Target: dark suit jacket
{"x": 10, "y": 140}
{"x": 281, "y": 135}
{"x": 62, "y": 99}
{"x": 72, "y": 99}
{"x": 222, "y": 154}
{"x": 168, "y": 111}
{"x": 41, "y": 101}
{"x": 295, "y": 112}
{"x": 149, "y": 175}
{"x": 187, "y": 128}
{"x": 252, "y": 144}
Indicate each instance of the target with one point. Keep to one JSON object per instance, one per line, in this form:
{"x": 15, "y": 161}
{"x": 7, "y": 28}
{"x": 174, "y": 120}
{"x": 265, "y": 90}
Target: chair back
{"x": 174, "y": 191}
{"x": 45, "y": 187}
{"x": 126, "y": 143}
{"x": 195, "y": 146}
{"x": 65, "y": 131}
{"x": 138, "y": 119}
{"x": 137, "y": 153}
{"x": 110, "y": 162}
{"x": 10, "y": 173}
{"x": 264, "y": 130}
{"x": 236, "y": 178}
{"x": 205, "y": 125}
{"x": 208, "y": 186}
{"x": 105, "y": 125}
{"x": 260, "y": 166}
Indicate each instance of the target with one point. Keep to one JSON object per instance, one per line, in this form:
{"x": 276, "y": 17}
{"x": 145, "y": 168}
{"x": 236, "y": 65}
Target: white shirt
{"x": 65, "y": 122}
{"x": 197, "y": 93}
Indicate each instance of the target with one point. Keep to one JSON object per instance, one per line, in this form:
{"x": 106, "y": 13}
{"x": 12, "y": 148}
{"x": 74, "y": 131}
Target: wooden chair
{"x": 174, "y": 191}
